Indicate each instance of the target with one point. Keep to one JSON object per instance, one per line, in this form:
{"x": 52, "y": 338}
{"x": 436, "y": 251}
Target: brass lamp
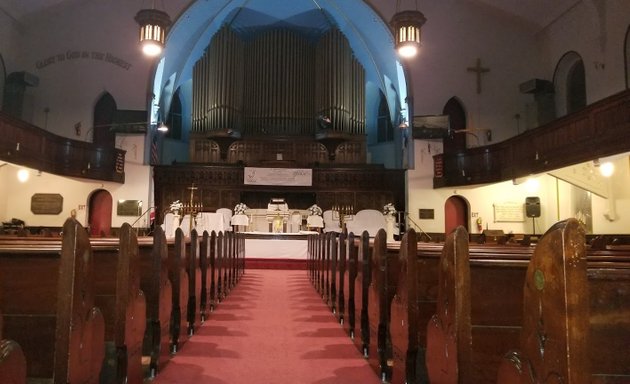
{"x": 406, "y": 25}
{"x": 153, "y": 24}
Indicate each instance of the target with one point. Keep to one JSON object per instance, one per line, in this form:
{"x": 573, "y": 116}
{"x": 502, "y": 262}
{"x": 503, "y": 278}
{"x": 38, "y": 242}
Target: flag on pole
{"x": 155, "y": 159}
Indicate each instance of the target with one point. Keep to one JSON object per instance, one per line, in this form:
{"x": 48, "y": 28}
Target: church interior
{"x": 303, "y": 135}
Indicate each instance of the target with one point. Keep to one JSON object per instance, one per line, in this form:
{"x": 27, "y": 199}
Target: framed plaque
{"x": 46, "y": 204}
{"x": 129, "y": 208}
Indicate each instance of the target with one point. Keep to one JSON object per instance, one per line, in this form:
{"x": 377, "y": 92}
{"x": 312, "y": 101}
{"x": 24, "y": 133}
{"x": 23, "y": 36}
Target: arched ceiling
{"x": 368, "y": 35}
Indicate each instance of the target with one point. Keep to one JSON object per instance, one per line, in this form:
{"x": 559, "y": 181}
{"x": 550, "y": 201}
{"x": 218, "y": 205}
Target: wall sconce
{"x": 153, "y": 24}
{"x": 406, "y": 25}
{"x": 162, "y": 127}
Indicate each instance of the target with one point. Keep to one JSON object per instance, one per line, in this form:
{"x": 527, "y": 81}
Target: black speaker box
{"x": 532, "y": 206}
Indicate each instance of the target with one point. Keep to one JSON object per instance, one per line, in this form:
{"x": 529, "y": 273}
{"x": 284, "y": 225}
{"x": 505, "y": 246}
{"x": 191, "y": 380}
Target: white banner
{"x": 301, "y": 177}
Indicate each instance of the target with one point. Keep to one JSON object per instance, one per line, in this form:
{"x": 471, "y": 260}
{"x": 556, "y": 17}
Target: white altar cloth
{"x": 265, "y": 246}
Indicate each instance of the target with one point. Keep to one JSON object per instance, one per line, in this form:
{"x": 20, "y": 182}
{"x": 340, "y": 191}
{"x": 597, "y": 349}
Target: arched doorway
{"x": 455, "y": 213}
{"x": 100, "y": 213}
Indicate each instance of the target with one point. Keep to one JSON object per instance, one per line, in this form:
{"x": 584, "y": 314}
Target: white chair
{"x": 227, "y": 218}
{"x": 331, "y": 224}
{"x": 170, "y": 225}
{"x": 369, "y": 220}
{"x": 314, "y": 221}
{"x": 185, "y": 225}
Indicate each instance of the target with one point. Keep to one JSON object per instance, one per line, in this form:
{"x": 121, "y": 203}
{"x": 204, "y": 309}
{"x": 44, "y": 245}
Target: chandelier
{"x": 406, "y": 25}
{"x": 153, "y": 23}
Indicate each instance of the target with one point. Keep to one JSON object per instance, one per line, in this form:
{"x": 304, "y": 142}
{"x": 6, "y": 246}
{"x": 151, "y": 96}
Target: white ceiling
{"x": 538, "y": 12}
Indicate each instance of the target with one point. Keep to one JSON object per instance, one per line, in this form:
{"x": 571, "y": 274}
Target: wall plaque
{"x": 509, "y": 212}
{"x": 426, "y": 214}
{"x": 46, "y": 203}
{"x": 129, "y": 208}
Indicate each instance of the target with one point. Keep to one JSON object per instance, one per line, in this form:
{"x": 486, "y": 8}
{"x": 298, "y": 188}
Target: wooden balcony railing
{"x": 24, "y": 144}
{"x": 599, "y": 130}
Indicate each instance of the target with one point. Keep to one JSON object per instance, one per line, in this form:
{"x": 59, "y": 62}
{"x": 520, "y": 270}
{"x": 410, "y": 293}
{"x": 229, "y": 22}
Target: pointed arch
{"x": 3, "y": 77}
{"x": 174, "y": 118}
{"x": 456, "y": 113}
{"x": 626, "y": 55}
{"x": 570, "y": 83}
{"x": 104, "y": 113}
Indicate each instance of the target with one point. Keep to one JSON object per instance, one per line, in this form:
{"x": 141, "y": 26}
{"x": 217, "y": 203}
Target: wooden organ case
{"x": 281, "y": 99}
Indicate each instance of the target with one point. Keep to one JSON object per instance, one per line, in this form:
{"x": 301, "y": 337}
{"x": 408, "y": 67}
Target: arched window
{"x": 627, "y": 56}
{"x": 174, "y": 119}
{"x": 104, "y": 112}
{"x": 457, "y": 122}
{"x": 3, "y": 77}
{"x": 576, "y": 87}
{"x": 385, "y": 130}
{"x": 570, "y": 84}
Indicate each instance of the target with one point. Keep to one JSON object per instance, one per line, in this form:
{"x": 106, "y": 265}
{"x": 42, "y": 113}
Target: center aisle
{"x": 272, "y": 328}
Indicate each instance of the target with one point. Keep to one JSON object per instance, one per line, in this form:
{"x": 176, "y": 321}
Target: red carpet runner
{"x": 272, "y": 328}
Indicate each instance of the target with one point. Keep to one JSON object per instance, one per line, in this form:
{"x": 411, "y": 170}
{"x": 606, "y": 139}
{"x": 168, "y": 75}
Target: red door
{"x": 455, "y": 213}
{"x": 100, "y": 220}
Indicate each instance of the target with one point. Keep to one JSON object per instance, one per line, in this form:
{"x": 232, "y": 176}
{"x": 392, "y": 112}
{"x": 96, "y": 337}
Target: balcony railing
{"x": 599, "y": 130}
{"x": 24, "y": 144}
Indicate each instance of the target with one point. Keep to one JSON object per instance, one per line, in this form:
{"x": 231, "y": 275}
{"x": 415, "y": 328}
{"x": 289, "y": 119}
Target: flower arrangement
{"x": 314, "y": 210}
{"x": 176, "y": 207}
{"x": 389, "y": 209}
{"x": 240, "y": 209}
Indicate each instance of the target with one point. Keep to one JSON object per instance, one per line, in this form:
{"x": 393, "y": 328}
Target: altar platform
{"x": 266, "y": 250}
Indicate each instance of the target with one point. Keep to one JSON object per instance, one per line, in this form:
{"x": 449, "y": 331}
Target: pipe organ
{"x": 256, "y": 97}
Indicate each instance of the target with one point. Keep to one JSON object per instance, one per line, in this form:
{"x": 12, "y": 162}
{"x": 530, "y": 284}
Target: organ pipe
{"x": 277, "y": 84}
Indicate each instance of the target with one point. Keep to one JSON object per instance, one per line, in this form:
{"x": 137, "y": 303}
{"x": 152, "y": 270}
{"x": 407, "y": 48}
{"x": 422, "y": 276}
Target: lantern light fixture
{"x": 153, "y": 24}
{"x": 407, "y": 26}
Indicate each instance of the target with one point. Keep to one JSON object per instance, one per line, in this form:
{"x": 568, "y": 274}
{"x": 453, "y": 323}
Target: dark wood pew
{"x": 349, "y": 286}
{"x": 117, "y": 292}
{"x": 158, "y": 292}
{"x": 362, "y": 283}
{"x": 407, "y": 353}
{"x": 12, "y": 360}
{"x": 178, "y": 276}
{"x": 340, "y": 276}
{"x": 206, "y": 275}
{"x": 497, "y": 313}
{"x": 554, "y": 338}
{"x": 193, "y": 269}
{"x": 48, "y": 307}
{"x": 448, "y": 352}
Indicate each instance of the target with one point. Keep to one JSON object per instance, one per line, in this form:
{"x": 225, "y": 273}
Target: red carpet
{"x": 272, "y": 328}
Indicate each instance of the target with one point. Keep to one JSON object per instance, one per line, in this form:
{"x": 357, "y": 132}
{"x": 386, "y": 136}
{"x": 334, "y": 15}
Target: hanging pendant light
{"x": 406, "y": 25}
{"x": 153, "y": 23}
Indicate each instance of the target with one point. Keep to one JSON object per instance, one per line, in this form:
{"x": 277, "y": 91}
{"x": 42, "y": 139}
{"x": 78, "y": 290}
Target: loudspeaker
{"x": 532, "y": 206}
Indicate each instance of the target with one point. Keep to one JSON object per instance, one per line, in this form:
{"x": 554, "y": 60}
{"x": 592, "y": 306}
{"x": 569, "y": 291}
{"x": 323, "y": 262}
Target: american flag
{"x": 155, "y": 159}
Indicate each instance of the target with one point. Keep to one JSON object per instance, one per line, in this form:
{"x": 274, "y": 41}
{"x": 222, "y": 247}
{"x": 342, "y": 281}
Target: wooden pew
{"x": 193, "y": 269}
{"x": 158, "y": 293}
{"x": 178, "y": 276}
{"x": 118, "y": 294}
{"x": 48, "y": 307}
{"x": 407, "y": 352}
{"x": 12, "y": 360}
{"x": 448, "y": 352}
{"x": 498, "y": 309}
{"x": 554, "y": 338}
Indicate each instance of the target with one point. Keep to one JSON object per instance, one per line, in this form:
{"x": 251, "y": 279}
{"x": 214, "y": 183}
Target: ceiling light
{"x": 406, "y": 25}
{"x": 153, "y": 24}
